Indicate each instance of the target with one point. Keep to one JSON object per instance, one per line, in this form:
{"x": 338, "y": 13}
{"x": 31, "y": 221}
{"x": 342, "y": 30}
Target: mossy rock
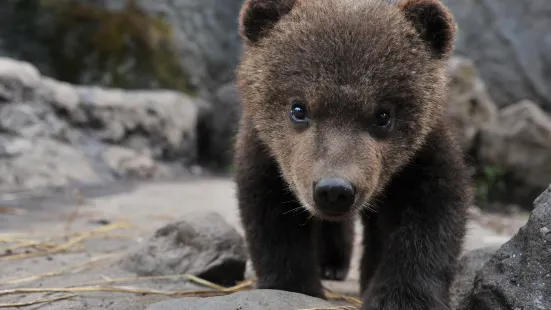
{"x": 85, "y": 43}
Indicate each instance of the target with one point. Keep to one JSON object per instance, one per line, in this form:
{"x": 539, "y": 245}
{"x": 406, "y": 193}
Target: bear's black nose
{"x": 334, "y": 196}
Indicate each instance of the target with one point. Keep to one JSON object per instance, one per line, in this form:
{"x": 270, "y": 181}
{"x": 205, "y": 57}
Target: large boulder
{"x": 160, "y": 124}
{"x": 509, "y": 40}
{"x": 205, "y": 37}
{"x": 469, "y": 265}
{"x": 40, "y": 162}
{"x": 509, "y": 147}
{"x": 520, "y": 143}
{"x": 188, "y": 45}
{"x": 518, "y": 274}
{"x": 54, "y": 133}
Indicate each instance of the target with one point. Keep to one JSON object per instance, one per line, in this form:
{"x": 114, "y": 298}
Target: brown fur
{"x": 299, "y": 61}
{"x": 344, "y": 59}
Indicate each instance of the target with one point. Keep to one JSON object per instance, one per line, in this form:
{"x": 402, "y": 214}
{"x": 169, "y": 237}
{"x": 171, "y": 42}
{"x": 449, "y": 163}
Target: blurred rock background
{"x": 129, "y": 88}
{"x": 98, "y": 92}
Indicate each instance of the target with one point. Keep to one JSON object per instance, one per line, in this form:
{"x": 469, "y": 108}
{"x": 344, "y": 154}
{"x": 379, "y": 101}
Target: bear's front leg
{"x": 279, "y": 232}
{"x": 421, "y": 224}
{"x": 415, "y": 270}
{"x": 336, "y": 242}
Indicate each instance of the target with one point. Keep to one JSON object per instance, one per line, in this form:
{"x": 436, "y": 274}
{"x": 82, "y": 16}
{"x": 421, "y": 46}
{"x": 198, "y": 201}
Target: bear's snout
{"x": 334, "y": 196}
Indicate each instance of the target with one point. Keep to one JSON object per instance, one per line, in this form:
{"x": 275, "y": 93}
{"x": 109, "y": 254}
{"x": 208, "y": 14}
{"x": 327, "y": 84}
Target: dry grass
{"x": 48, "y": 247}
{"x": 70, "y": 241}
{"x": 112, "y": 289}
{"x": 217, "y": 290}
{"x": 135, "y": 290}
{"x": 71, "y": 269}
{"x": 335, "y": 296}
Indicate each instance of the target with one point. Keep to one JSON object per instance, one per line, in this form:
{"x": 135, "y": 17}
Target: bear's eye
{"x": 299, "y": 114}
{"x": 382, "y": 118}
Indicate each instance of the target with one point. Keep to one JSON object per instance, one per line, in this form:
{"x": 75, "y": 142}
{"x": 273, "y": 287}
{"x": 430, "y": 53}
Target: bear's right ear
{"x": 257, "y": 17}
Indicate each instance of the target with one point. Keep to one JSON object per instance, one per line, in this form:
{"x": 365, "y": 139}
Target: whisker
{"x": 292, "y": 210}
{"x": 289, "y": 201}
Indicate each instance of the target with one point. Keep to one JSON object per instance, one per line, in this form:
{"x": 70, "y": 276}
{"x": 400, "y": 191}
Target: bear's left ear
{"x": 434, "y": 23}
{"x": 258, "y": 17}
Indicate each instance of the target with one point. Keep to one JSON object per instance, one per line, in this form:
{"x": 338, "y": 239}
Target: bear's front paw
{"x": 334, "y": 272}
{"x": 406, "y": 299}
{"x": 311, "y": 289}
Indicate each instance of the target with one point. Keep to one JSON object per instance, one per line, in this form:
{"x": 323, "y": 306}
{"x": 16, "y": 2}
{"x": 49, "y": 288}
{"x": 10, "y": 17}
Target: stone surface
{"x": 18, "y": 80}
{"x": 248, "y": 300}
{"x": 202, "y": 244}
{"x": 36, "y": 163}
{"x": 520, "y": 142}
{"x": 514, "y": 140}
{"x": 130, "y": 164}
{"x": 469, "y": 265}
{"x": 509, "y": 41}
{"x": 518, "y": 276}
{"x": 206, "y": 37}
{"x": 28, "y": 119}
{"x": 69, "y": 134}
{"x": 160, "y": 124}
{"x": 469, "y": 104}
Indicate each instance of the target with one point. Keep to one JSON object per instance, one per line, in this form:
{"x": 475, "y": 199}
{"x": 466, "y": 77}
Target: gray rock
{"x": 202, "y": 244}
{"x": 469, "y": 106}
{"x": 18, "y": 80}
{"x": 509, "y": 40}
{"x": 248, "y": 300}
{"x": 29, "y": 119}
{"x": 516, "y": 139}
{"x": 70, "y": 133}
{"x": 160, "y": 124}
{"x": 469, "y": 265}
{"x": 129, "y": 164}
{"x": 520, "y": 142}
{"x": 518, "y": 276}
{"x": 206, "y": 37}
{"x": 36, "y": 163}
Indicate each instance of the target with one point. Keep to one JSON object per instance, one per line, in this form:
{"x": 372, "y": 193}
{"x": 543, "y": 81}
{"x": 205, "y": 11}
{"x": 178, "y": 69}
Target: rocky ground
{"x": 118, "y": 240}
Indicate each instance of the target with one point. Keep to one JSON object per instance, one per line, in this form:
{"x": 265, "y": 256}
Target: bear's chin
{"x": 333, "y": 217}
{"x": 315, "y": 212}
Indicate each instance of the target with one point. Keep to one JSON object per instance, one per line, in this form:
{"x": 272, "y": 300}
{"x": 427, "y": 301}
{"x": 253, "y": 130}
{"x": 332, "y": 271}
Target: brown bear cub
{"x": 343, "y": 117}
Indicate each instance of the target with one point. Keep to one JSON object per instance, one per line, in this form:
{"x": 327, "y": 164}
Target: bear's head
{"x": 343, "y": 92}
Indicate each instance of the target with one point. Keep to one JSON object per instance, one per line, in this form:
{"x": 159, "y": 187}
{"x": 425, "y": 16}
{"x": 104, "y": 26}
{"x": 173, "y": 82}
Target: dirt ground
{"x": 95, "y": 226}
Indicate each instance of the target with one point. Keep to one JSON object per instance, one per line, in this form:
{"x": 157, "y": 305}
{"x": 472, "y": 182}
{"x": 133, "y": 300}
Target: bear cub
{"x": 344, "y": 117}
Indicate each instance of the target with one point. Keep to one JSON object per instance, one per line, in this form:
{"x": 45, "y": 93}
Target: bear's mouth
{"x": 334, "y": 216}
